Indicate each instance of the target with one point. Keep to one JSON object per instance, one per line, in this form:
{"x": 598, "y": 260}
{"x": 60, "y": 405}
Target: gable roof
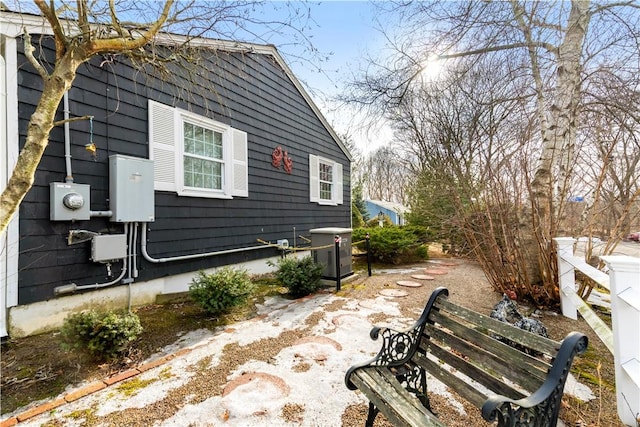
{"x": 14, "y": 24}
{"x": 395, "y": 207}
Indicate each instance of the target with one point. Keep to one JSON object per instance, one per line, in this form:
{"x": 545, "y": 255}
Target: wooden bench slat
{"x": 490, "y": 353}
{"x": 485, "y": 338}
{"x": 461, "y": 387}
{"x": 399, "y": 406}
{"x": 466, "y": 367}
{"x": 533, "y": 341}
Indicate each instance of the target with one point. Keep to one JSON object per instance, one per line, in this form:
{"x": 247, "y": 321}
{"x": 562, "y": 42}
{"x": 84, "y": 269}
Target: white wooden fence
{"x": 623, "y": 339}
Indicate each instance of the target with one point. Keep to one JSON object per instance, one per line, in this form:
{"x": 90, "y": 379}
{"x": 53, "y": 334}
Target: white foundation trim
{"x": 49, "y": 315}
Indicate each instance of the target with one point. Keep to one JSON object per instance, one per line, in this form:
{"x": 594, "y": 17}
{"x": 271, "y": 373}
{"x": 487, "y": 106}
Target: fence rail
{"x": 623, "y": 340}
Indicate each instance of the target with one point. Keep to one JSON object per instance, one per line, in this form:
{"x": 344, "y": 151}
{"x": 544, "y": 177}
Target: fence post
{"x": 624, "y": 279}
{"x": 338, "y": 240}
{"x": 566, "y": 276}
{"x": 368, "y": 246}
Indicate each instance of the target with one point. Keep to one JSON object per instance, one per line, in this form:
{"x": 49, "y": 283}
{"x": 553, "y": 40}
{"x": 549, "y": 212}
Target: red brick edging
{"x": 88, "y": 389}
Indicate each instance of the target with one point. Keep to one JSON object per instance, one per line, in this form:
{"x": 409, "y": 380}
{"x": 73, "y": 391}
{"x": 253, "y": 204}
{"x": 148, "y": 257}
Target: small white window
{"x": 203, "y": 158}
{"x": 325, "y": 181}
{"x": 196, "y": 156}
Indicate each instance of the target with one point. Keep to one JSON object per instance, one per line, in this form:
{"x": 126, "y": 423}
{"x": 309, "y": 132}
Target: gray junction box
{"x": 326, "y": 256}
{"x": 131, "y": 196}
{"x": 108, "y": 247}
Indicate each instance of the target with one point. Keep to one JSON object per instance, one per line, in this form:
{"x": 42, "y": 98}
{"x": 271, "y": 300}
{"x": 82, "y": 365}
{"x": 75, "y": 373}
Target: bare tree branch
{"x": 50, "y": 14}
{"x": 28, "y": 52}
{"x": 71, "y": 120}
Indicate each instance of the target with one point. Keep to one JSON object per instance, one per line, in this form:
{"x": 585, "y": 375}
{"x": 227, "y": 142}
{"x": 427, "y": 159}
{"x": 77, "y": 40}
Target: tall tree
{"x": 84, "y": 29}
{"x": 555, "y": 48}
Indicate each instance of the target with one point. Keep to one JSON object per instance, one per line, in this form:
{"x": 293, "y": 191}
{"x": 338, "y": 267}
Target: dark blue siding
{"x": 245, "y": 90}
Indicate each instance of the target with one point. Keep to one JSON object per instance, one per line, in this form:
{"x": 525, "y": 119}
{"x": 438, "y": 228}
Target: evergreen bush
{"x": 300, "y": 275}
{"x": 104, "y": 335}
{"x": 394, "y": 244}
{"x": 222, "y": 290}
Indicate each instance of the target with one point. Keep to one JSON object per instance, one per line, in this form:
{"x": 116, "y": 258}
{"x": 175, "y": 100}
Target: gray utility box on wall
{"x": 131, "y": 197}
{"x": 69, "y": 201}
{"x": 108, "y": 247}
{"x": 327, "y": 256}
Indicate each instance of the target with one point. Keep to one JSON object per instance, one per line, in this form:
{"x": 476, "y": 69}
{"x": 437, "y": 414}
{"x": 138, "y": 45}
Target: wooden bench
{"x": 518, "y": 377}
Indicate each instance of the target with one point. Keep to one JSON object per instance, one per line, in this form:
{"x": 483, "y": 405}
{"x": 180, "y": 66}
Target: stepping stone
{"x": 351, "y": 321}
{"x": 315, "y": 348}
{"x": 444, "y": 263}
{"x": 251, "y": 382}
{"x": 253, "y": 393}
{"x": 408, "y": 283}
{"x": 435, "y": 272}
{"x": 393, "y": 293}
{"x": 370, "y": 304}
{"x": 423, "y": 277}
{"x": 319, "y": 340}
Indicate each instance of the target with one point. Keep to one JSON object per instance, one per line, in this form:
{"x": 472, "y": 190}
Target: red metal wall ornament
{"x": 276, "y": 157}
{"x": 288, "y": 163}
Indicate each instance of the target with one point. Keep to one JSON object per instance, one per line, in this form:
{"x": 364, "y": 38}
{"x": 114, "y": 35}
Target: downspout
{"x": 67, "y": 140}
{"x": 145, "y": 254}
{"x": 67, "y": 154}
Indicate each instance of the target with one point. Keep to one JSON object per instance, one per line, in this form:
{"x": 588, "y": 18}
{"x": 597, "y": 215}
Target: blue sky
{"x": 345, "y": 30}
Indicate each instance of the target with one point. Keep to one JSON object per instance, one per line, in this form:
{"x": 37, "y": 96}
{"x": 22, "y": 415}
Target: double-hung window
{"x": 196, "y": 156}
{"x": 325, "y": 181}
{"x": 203, "y": 157}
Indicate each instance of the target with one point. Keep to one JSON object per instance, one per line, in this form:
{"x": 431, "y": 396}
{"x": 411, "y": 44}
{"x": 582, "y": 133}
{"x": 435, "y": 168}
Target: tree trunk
{"x": 40, "y": 124}
{"x": 550, "y": 181}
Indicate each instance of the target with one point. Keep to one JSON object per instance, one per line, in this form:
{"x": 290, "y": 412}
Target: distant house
{"x": 168, "y": 178}
{"x": 395, "y": 211}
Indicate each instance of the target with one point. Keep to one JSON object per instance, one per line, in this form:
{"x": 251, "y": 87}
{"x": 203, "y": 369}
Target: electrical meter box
{"x": 69, "y": 201}
{"x": 131, "y": 197}
{"x": 325, "y": 239}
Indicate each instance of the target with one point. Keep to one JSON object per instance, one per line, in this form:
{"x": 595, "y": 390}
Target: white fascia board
{"x": 14, "y": 24}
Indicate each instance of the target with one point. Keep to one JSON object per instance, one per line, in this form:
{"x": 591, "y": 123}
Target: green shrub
{"x": 104, "y": 335}
{"x": 220, "y": 291}
{"x": 375, "y": 221}
{"x": 394, "y": 244}
{"x": 301, "y": 276}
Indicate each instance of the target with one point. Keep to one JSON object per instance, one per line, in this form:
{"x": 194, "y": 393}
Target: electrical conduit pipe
{"x": 72, "y": 287}
{"x": 145, "y": 254}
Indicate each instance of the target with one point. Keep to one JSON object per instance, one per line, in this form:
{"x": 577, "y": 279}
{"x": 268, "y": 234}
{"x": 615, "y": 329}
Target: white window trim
{"x": 314, "y": 181}
{"x": 225, "y": 192}
{"x": 166, "y": 149}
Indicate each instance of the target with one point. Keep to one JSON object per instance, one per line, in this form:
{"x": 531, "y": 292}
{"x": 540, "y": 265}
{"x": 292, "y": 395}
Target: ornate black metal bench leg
{"x": 415, "y": 381}
{"x": 373, "y": 412}
{"x": 422, "y": 395}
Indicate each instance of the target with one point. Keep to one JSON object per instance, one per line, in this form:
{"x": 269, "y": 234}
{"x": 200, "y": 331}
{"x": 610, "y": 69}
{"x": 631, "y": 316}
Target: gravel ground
{"x": 286, "y": 367}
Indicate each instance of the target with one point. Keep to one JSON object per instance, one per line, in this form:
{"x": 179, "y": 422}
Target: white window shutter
{"x": 240, "y": 163}
{"x": 337, "y": 184}
{"x": 162, "y": 145}
{"x": 314, "y": 178}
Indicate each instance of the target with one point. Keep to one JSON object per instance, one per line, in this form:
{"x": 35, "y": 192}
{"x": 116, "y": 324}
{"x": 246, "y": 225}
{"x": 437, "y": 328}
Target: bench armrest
{"x": 397, "y": 347}
{"x": 544, "y": 402}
